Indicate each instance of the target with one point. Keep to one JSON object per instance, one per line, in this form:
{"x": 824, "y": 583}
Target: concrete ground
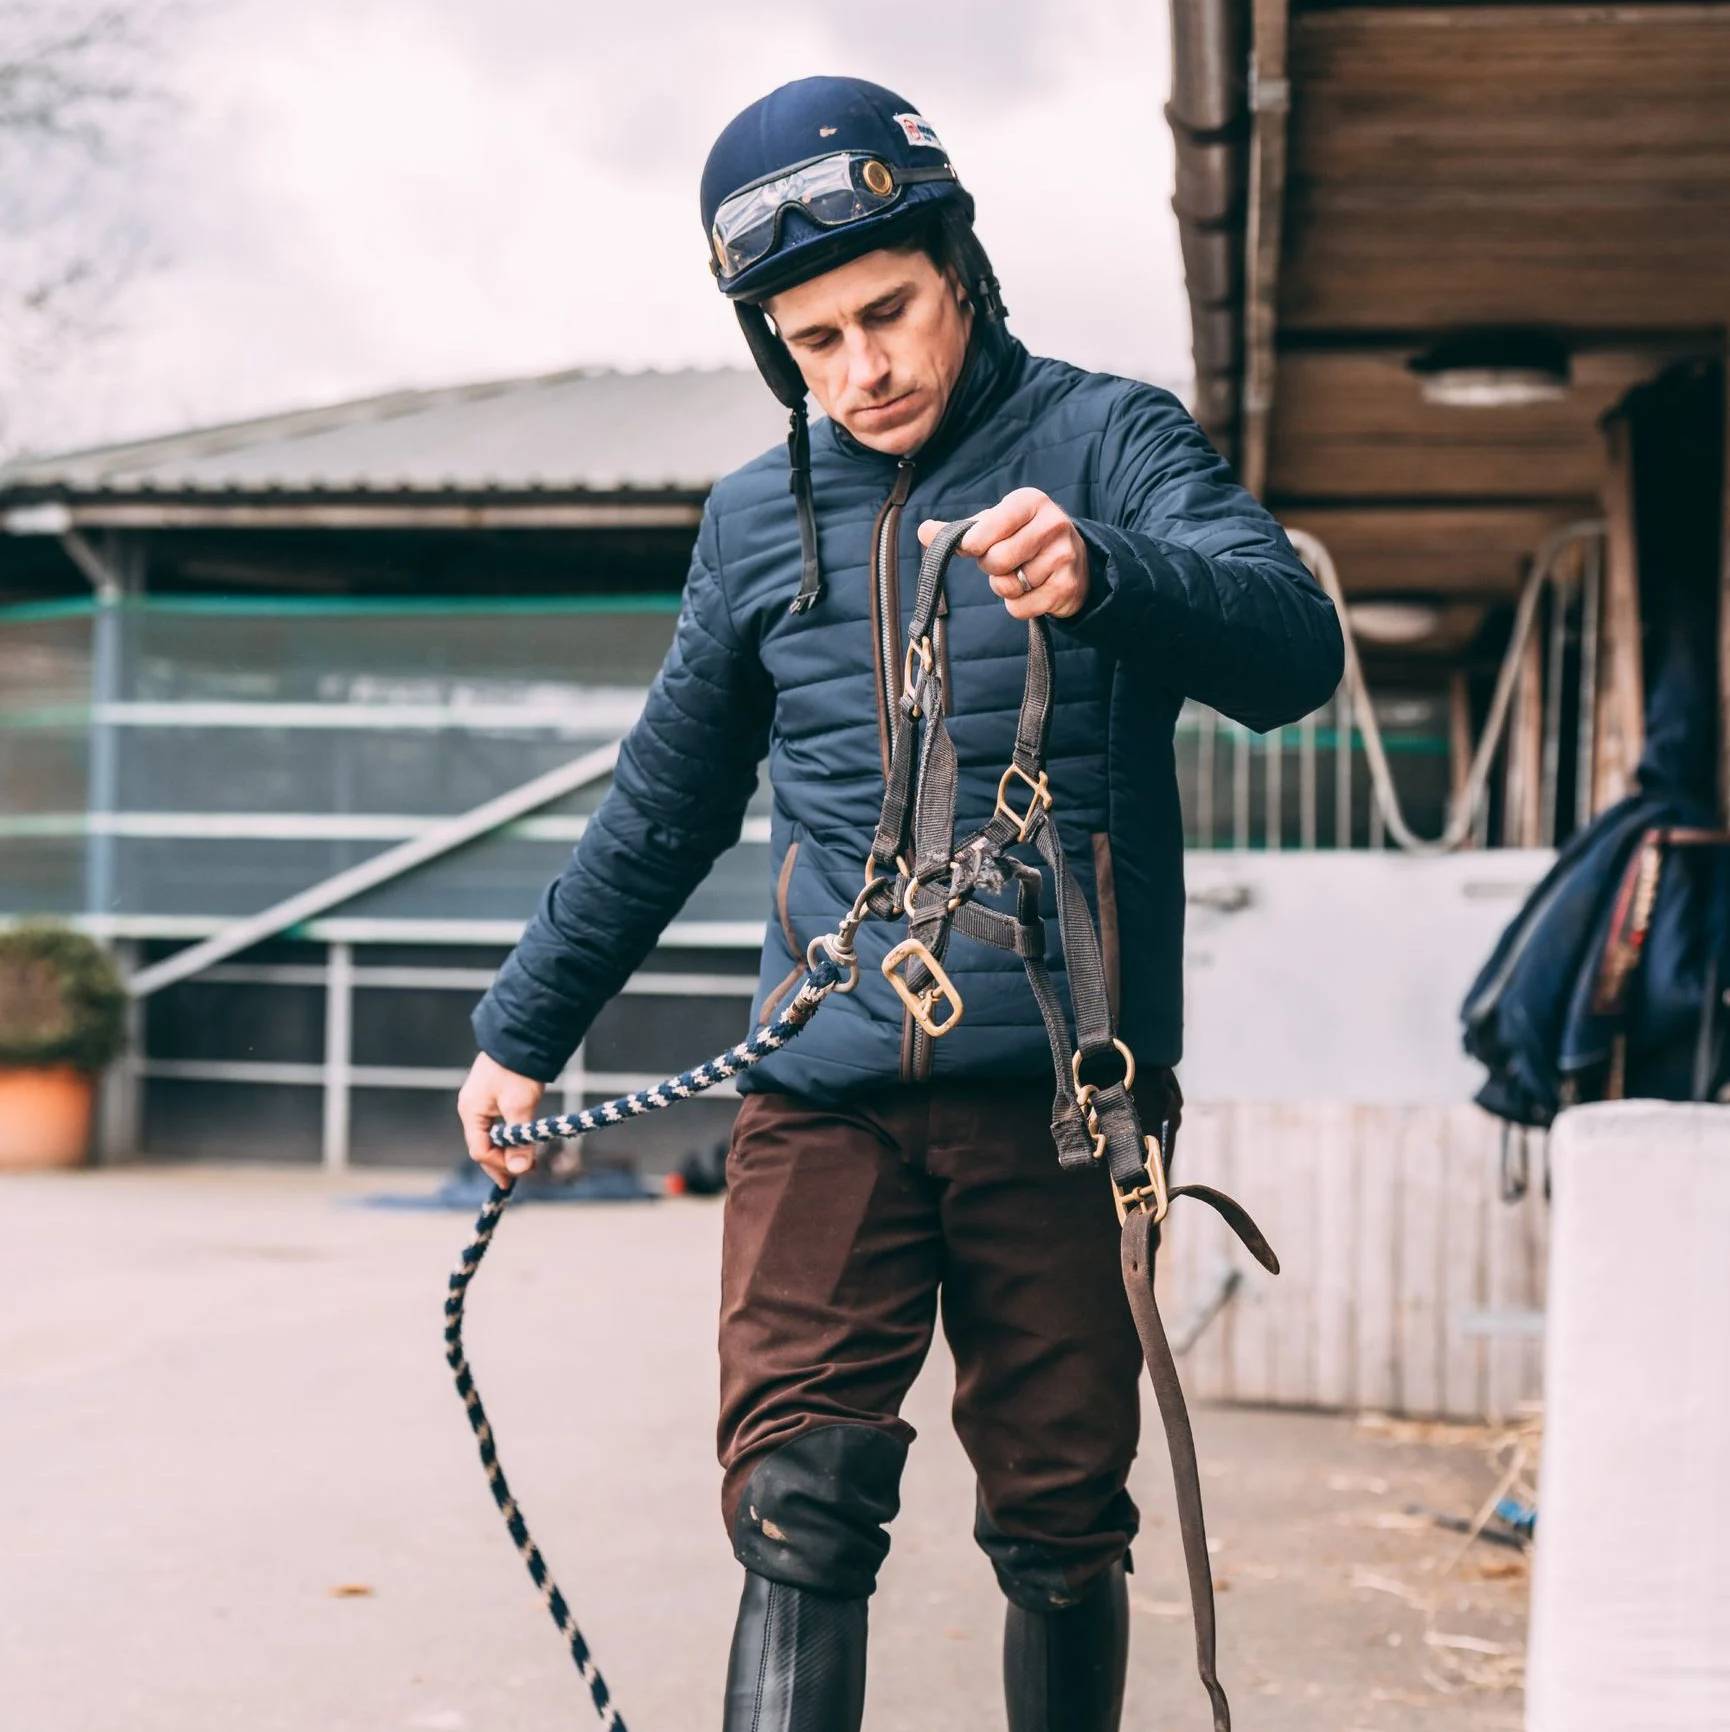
{"x": 240, "y": 1495}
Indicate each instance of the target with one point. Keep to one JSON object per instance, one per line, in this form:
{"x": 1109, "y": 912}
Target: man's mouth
{"x": 883, "y": 408}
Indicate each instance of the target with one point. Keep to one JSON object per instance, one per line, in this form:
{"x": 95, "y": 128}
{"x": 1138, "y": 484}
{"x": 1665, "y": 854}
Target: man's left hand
{"x": 1032, "y": 553}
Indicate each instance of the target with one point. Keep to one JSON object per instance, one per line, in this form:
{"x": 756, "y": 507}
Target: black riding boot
{"x": 1063, "y": 1671}
{"x": 798, "y": 1661}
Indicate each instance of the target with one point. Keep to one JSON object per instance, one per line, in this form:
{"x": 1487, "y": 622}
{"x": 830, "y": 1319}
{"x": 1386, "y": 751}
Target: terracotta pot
{"x": 45, "y": 1117}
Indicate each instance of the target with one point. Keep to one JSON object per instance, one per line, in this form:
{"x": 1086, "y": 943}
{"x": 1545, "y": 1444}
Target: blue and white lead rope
{"x": 824, "y": 977}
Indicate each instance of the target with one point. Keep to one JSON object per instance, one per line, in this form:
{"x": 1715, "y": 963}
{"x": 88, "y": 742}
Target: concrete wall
{"x": 1630, "y": 1599}
{"x": 1329, "y": 1093}
{"x": 1339, "y": 976}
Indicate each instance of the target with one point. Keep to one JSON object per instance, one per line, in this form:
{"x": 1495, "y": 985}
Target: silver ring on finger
{"x": 1021, "y": 578}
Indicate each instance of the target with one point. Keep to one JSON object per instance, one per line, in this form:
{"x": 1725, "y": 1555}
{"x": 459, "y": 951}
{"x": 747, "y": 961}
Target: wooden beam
{"x": 1455, "y": 164}
{"x": 1621, "y": 677}
{"x": 1724, "y": 609}
{"x": 1477, "y": 551}
{"x": 1269, "y": 101}
{"x": 1412, "y": 269}
{"x": 1353, "y": 423}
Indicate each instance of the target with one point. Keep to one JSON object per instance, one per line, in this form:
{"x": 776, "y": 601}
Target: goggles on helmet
{"x": 831, "y": 191}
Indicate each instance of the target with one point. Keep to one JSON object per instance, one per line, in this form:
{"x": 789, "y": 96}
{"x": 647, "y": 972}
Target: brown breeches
{"x": 847, "y": 1227}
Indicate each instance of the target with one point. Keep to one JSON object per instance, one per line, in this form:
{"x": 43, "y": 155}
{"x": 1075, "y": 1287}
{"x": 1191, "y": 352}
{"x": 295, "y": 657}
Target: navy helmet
{"x": 816, "y": 173}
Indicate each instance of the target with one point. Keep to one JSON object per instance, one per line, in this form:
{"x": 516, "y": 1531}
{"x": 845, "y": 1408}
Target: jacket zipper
{"x": 886, "y": 608}
{"x": 779, "y": 991}
{"x": 918, "y": 1048}
{"x": 886, "y": 603}
{"x": 886, "y": 624}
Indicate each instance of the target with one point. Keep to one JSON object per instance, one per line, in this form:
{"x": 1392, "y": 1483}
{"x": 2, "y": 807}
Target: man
{"x": 874, "y": 1171}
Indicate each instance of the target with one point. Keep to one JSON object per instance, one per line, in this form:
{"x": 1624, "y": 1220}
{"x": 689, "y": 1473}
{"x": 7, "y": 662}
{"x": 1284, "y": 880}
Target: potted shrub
{"x": 62, "y": 1019}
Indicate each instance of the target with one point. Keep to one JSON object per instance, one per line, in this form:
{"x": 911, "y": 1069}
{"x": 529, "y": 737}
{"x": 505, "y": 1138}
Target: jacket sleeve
{"x": 685, "y": 774}
{"x": 1191, "y": 578}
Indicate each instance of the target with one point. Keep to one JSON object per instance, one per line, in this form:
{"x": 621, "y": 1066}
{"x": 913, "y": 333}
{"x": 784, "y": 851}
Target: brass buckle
{"x": 922, "y": 648}
{"x": 1154, "y": 1192}
{"x": 920, "y": 1004}
{"x": 1040, "y": 800}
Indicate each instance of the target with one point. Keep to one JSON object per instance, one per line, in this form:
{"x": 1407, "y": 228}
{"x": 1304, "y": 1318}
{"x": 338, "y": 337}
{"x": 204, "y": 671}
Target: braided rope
{"x": 824, "y": 977}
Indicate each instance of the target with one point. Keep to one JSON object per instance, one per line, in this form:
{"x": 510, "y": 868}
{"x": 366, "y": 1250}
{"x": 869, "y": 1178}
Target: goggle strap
{"x": 917, "y": 176}
{"x": 799, "y": 481}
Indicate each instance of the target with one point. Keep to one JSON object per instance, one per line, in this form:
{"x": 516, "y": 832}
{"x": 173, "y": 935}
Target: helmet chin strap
{"x": 784, "y": 378}
{"x": 976, "y": 272}
{"x": 781, "y": 374}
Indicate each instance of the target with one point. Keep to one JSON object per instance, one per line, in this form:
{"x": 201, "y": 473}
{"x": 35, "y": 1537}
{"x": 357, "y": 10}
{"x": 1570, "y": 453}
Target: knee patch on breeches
{"x": 814, "y": 1511}
{"x": 1053, "y": 1575}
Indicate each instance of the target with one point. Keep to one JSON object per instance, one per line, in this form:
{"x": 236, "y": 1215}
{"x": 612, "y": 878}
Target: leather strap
{"x": 915, "y": 839}
{"x": 1140, "y": 1239}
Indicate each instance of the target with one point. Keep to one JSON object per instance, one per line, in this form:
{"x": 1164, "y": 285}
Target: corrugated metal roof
{"x": 592, "y": 430}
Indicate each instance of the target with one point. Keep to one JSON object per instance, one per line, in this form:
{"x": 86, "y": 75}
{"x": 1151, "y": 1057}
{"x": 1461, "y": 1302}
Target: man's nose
{"x": 867, "y": 364}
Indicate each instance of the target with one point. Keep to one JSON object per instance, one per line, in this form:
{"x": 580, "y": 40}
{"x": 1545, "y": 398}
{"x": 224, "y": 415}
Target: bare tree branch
{"x": 80, "y": 96}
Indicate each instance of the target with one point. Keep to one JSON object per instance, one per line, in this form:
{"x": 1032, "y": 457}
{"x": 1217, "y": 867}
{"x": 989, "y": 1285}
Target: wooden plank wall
{"x": 1393, "y": 1241}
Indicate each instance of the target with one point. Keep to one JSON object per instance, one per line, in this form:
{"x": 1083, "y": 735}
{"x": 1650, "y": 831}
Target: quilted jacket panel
{"x": 1195, "y": 591}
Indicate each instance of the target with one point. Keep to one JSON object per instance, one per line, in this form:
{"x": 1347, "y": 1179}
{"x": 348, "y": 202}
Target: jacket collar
{"x": 988, "y": 372}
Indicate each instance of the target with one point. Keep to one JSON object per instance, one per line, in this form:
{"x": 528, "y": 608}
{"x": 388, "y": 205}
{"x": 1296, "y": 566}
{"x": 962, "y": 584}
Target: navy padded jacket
{"x": 1195, "y": 592}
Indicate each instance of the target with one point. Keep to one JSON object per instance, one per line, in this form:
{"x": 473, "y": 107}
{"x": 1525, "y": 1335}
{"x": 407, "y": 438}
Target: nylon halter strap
{"x": 916, "y": 869}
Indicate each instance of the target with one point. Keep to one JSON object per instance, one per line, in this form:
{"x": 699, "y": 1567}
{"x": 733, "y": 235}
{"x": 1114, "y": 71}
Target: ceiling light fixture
{"x": 1494, "y": 369}
{"x": 1393, "y": 624}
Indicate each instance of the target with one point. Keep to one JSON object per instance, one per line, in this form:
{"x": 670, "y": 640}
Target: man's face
{"x": 880, "y": 341}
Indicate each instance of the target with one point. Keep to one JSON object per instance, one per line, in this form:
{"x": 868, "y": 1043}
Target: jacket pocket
{"x": 783, "y": 882}
{"x": 1105, "y": 895}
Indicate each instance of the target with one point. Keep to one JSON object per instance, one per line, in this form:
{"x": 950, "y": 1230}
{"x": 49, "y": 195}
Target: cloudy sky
{"x": 356, "y": 195}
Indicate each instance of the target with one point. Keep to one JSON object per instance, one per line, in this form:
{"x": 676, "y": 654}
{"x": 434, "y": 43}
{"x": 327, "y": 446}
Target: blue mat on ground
{"x": 469, "y": 1189}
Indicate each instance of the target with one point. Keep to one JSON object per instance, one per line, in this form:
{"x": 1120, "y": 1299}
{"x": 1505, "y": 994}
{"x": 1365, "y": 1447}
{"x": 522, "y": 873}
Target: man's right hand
{"x": 489, "y": 1094}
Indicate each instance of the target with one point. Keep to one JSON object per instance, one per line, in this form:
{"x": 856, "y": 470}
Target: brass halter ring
{"x": 1091, "y": 1089}
{"x": 1084, "y": 1092}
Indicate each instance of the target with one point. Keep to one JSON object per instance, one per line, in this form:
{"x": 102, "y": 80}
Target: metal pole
{"x": 1343, "y": 767}
{"x": 1273, "y": 786}
{"x": 338, "y": 1054}
{"x": 1307, "y": 790}
{"x": 1239, "y": 785}
{"x": 1561, "y": 595}
{"x": 1208, "y": 725}
{"x": 120, "y": 1103}
{"x": 116, "y": 573}
{"x": 1514, "y": 763}
{"x": 1591, "y": 604}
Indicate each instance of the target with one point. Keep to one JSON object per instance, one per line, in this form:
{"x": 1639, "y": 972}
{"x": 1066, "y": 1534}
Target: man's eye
{"x": 888, "y": 315}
